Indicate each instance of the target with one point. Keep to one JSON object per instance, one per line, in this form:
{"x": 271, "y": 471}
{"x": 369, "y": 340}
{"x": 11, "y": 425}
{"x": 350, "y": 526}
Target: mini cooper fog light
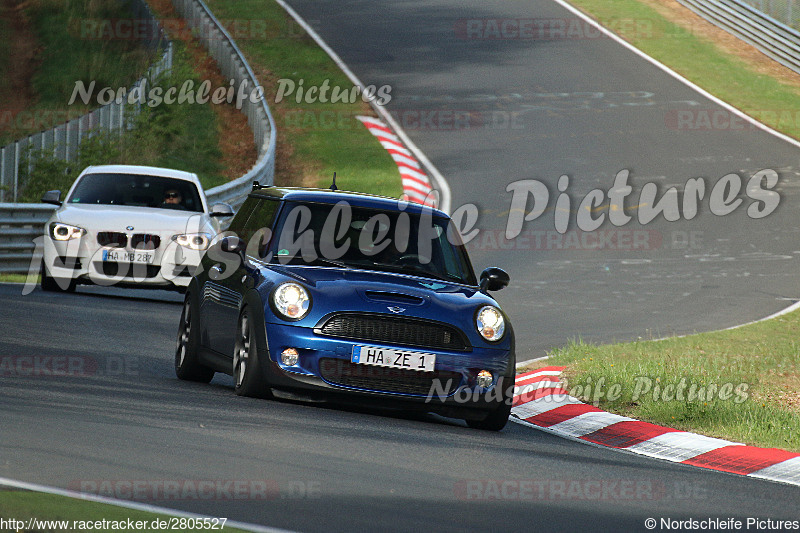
{"x": 289, "y": 357}
{"x": 484, "y": 379}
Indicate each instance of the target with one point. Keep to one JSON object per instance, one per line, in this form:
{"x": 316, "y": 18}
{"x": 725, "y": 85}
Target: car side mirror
{"x": 52, "y": 197}
{"x": 494, "y": 279}
{"x": 232, "y": 245}
{"x": 221, "y": 210}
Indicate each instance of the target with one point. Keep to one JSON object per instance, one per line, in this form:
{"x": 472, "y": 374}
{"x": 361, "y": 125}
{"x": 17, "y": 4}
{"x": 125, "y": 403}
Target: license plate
{"x": 393, "y": 358}
{"x": 122, "y": 256}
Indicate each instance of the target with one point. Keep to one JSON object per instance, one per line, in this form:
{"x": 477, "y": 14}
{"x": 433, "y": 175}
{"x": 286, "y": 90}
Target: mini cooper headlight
{"x": 65, "y": 232}
{"x": 490, "y": 323}
{"x": 194, "y": 241}
{"x": 291, "y": 300}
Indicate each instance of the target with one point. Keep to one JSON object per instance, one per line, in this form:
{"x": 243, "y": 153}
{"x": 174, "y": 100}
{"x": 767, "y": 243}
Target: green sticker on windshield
{"x": 283, "y": 251}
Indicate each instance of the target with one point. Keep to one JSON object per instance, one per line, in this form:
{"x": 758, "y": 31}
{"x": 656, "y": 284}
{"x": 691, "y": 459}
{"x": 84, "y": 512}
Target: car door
{"x": 229, "y": 290}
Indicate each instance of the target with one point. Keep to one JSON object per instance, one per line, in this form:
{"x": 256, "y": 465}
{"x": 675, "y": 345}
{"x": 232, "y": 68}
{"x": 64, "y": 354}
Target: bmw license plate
{"x": 393, "y": 358}
{"x": 122, "y": 256}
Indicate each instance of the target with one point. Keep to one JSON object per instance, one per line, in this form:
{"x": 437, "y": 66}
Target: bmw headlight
{"x": 291, "y": 300}
{"x": 490, "y": 323}
{"x": 65, "y": 232}
{"x": 194, "y": 241}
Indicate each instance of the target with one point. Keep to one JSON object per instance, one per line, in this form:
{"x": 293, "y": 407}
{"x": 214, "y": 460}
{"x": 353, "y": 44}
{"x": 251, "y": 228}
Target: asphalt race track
{"x": 587, "y": 108}
{"x": 126, "y": 419}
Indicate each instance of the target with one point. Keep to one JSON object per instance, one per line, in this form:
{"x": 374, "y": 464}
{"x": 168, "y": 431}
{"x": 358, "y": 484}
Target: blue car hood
{"x": 340, "y": 290}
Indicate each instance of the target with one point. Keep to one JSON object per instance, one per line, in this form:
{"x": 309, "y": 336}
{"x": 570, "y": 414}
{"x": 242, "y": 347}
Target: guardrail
{"x": 64, "y": 139}
{"x": 20, "y": 224}
{"x": 233, "y": 65}
{"x": 783, "y": 10}
{"x": 777, "y": 40}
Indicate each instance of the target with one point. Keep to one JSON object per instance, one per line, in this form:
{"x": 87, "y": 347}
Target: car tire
{"x": 246, "y": 365}
{"x": 187, "y": 366}
{"x": 50, "y": 284}
{"x": 495, "y": 420}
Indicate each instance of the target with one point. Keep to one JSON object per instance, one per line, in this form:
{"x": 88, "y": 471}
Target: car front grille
{"x": 394, "y": 330}
{"x": 130, "y": 271}
{"x": 112, "y": 238}
{"x": 377, "y": 378}
{"x": 146, "y": 241}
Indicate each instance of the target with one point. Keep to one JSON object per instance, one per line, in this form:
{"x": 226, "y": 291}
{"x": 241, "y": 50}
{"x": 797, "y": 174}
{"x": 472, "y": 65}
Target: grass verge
{"x": 174, "y": 136}
{"x": 740, "y": 384}
{"x": 699, "y": 59}
{"x": 66, "y": 514}
{"x": 314, "y": 139}
{"x": 15, "y": 278}
{"x": 64, "y": 54}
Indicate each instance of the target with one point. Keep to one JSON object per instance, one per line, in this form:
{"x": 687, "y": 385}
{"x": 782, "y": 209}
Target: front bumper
{"x": 324, "y": 365}
{"x": 84, "y": 264}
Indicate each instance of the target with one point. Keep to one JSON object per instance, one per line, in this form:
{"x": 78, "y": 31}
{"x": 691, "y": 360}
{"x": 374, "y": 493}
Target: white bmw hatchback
{"x": 128, "y": 226}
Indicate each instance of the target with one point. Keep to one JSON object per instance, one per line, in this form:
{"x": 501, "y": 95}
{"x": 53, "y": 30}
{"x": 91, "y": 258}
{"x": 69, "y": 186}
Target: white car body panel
{"x": 131, "y": 221}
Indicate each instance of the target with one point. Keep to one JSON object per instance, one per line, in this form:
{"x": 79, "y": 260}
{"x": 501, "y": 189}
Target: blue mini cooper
{"x": 355, "y": 297}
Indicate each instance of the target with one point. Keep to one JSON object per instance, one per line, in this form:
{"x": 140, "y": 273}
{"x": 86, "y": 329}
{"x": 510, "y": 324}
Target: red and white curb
{"x": 416, "y": 185}
{"x": 541, "y": 400}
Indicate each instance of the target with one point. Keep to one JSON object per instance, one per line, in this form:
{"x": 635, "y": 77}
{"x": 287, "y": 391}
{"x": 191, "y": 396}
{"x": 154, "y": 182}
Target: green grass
{"x": 319, "y": 138}
{"x": 66, "y": 56}
{"x": 184, "y": 137}
{"x": 698, "y": 59}
{"x": 755, "y": 370}
{"x": 71, "y": 54}
{"x": 24, "y": 505}
{"x": 15, "y": 278}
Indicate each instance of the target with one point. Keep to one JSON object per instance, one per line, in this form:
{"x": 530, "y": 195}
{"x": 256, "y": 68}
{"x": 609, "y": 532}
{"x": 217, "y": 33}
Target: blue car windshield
{"x": 348, "y": 236}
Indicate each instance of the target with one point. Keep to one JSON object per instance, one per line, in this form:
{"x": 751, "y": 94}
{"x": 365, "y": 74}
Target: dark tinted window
{"x": 240, "y": 219}
{"x": 138, "y": 191}
{"x": 254, "y": 231}
{"x": 322, "y": 234}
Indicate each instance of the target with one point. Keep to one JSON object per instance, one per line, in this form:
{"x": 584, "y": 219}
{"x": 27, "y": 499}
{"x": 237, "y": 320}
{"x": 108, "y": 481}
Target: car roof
{"x": 357, "y": 199}
{"x": 143, "y": 170}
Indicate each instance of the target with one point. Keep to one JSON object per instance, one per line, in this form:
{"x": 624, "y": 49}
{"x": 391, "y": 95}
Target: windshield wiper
{"x": 299, "y": 258}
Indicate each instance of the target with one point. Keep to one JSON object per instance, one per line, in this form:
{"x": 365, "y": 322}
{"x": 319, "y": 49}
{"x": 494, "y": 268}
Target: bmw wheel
{"x": 246, "y": 366}
{"x": 186, "y": 365}
{"x": 50, "y": 284}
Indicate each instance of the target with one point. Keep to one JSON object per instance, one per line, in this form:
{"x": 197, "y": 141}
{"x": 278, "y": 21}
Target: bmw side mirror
{"x": 52, "y": 197}
{"x": 221, "y": 210}
{"x": 494, "y": 279}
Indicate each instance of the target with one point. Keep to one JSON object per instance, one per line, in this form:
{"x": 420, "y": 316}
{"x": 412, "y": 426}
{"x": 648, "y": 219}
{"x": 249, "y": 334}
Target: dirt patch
{"x": 16, "y": 92}
{"x": 784, "y": 390}
{"x": 235, "y": 136}
{"x": 696, "y": 25}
